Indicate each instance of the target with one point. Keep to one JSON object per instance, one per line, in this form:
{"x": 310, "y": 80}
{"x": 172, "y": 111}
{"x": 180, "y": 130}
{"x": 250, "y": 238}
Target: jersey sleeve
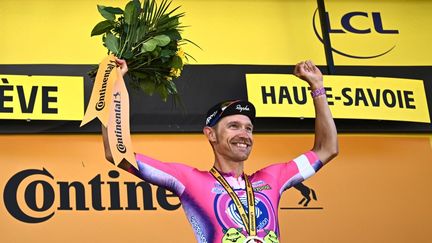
{"x": 172, "y": 176}
{"x": 295, "y": 171}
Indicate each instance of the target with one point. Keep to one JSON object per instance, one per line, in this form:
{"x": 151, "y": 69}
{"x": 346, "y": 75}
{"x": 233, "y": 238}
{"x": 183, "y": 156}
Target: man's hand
{"x": 309, "y": 73}
{"x": 123, "y": 66}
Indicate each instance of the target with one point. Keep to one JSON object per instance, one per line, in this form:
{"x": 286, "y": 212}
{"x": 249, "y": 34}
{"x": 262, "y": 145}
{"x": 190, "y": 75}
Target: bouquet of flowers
{"x": 148, "y": 37}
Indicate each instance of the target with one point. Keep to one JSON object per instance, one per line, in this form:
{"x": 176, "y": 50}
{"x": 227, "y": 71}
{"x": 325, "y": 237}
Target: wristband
{"x": 318, "y": 92}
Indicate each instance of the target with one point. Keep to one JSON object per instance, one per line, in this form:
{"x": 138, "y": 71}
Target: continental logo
{"x": 34, "y": 195}
{"x": 358, "y": 34}
{"x": 118, "y": 123}
{"x": 41, "y": 97}
{"x": 350, "y": 97}
{"x": 102, "y": 91}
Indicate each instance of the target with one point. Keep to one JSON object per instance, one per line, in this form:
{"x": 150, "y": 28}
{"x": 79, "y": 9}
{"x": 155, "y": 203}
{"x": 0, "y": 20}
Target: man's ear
{"x": 210, "y": 133}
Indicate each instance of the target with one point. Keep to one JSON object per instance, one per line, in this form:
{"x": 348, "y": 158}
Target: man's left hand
{"x": 309, "y": 73}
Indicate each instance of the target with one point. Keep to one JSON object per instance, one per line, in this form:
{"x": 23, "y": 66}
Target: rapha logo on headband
{"x": 210, "y": 117}
{"x": 241, "y": 108}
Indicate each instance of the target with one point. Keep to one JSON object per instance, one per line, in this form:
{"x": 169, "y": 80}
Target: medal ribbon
{"x": 248, "y": 222}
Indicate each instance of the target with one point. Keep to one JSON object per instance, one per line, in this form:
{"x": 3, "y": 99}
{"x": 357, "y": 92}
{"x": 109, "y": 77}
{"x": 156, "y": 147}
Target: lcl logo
{"x": 360, "y": 30}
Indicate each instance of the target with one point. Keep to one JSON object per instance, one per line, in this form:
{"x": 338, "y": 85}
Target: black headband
{"x": 228, "y": 108}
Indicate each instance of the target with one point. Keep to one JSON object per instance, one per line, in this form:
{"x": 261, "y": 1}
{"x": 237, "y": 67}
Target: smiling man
{"x": 224, "y": 204}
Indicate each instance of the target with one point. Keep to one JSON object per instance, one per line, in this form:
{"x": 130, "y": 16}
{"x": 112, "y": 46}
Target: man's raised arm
{"x": 326, "y": 141}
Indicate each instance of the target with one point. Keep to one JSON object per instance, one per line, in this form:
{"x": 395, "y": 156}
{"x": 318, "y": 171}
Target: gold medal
{"x": 253, "y": 239}
{"x": 249, "y": 220}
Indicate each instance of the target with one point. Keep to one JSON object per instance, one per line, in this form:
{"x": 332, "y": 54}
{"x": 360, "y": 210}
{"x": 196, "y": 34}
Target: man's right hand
{"x": 121, "y": 63}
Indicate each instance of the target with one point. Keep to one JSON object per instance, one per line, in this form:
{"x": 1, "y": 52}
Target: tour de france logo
{"x": 228, "y": 216}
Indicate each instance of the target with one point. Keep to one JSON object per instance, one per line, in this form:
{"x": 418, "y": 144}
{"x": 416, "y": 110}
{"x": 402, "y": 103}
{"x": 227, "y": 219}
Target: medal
{"x": 249, "y": 220}
{"x": 253, "y": 239}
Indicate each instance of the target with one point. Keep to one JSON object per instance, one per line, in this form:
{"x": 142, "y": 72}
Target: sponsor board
{"x": 377, "y": 33}
{"x": 41, "y": 97}
{"x": 43, "y": 196}
{"x": 89, "y": 200}
{"x": 351, "y": 97}
{"x": 370, "y": 32}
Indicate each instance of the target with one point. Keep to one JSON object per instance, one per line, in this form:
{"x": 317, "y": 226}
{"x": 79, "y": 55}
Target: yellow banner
{"x": 25, "y": 97}
{"x": 352, "y": 97}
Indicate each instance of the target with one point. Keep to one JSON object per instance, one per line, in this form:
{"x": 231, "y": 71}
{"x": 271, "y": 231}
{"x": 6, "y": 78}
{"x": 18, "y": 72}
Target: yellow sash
{"x": 109, "y": 102}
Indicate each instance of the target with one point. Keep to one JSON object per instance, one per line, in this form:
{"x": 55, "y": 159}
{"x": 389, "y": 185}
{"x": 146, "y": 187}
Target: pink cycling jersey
{"x": 210, "y": 210}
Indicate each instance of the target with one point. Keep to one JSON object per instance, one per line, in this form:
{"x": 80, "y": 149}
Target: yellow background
{"x": 229, "y": 31}
{"x": 376, "y": 190}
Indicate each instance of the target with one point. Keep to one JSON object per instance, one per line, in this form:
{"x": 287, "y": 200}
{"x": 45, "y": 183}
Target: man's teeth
{"x": 242, "y": 145}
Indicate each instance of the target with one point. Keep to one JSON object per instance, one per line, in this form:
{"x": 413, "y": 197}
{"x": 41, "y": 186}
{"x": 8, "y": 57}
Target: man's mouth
{"x": 241, "y": 144}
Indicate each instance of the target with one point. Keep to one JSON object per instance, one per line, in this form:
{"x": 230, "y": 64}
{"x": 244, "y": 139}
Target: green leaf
{"x": 107, "y": 15}
{"x": 149, "y": 45}
{"x": 168, "y": 22}
{"x": 162, "y": 40}
{"x": 171, "y": 87}
{"x": 167, "y": 53}
{"x": 137, "y": 5}
{"x": 162, "y": 91}
{"x": 112, "y": 43}
{"x": 114, "y": 10}
{"x": 193, "y": 43}
{"x": 173, "y": 34}
{"x": 148, "y": 87}
{"x": 176, "y": 62}
{"x": 126, "y": 28}
{"x": 129, "y": 12}
{"x": 102, "y": 27}
{"x": 140, "y": 75}
{"x": 156, "y": 52}
{"x": 127, "y": 54}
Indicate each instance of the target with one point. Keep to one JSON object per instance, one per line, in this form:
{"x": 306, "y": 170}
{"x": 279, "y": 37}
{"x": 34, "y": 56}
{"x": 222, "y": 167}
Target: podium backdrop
{"x": 376, "y": 190}
{"x": 57, "y": 187}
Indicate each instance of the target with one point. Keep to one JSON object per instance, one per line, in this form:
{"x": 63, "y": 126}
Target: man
{"x": 224, "y": 204}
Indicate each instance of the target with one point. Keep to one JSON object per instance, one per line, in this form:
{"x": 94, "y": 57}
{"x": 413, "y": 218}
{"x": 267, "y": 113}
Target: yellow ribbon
{"x": 100, "y": 98}
{"x": 109, "y": 102}
{"x": 118, "y": 127}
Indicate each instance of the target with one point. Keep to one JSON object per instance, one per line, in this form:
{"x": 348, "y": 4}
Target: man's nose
{"x": 245, "y": 132}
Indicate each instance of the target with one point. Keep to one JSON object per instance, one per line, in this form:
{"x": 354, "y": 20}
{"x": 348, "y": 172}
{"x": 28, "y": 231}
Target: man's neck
{"x": 236, "y": 168}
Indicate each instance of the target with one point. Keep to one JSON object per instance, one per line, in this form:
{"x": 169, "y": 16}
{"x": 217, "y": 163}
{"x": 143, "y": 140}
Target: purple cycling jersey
{"x": 210, "y": 210}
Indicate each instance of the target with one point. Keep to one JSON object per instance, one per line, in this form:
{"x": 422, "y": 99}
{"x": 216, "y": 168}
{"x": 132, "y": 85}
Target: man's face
{"x": 233, "y": 138}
